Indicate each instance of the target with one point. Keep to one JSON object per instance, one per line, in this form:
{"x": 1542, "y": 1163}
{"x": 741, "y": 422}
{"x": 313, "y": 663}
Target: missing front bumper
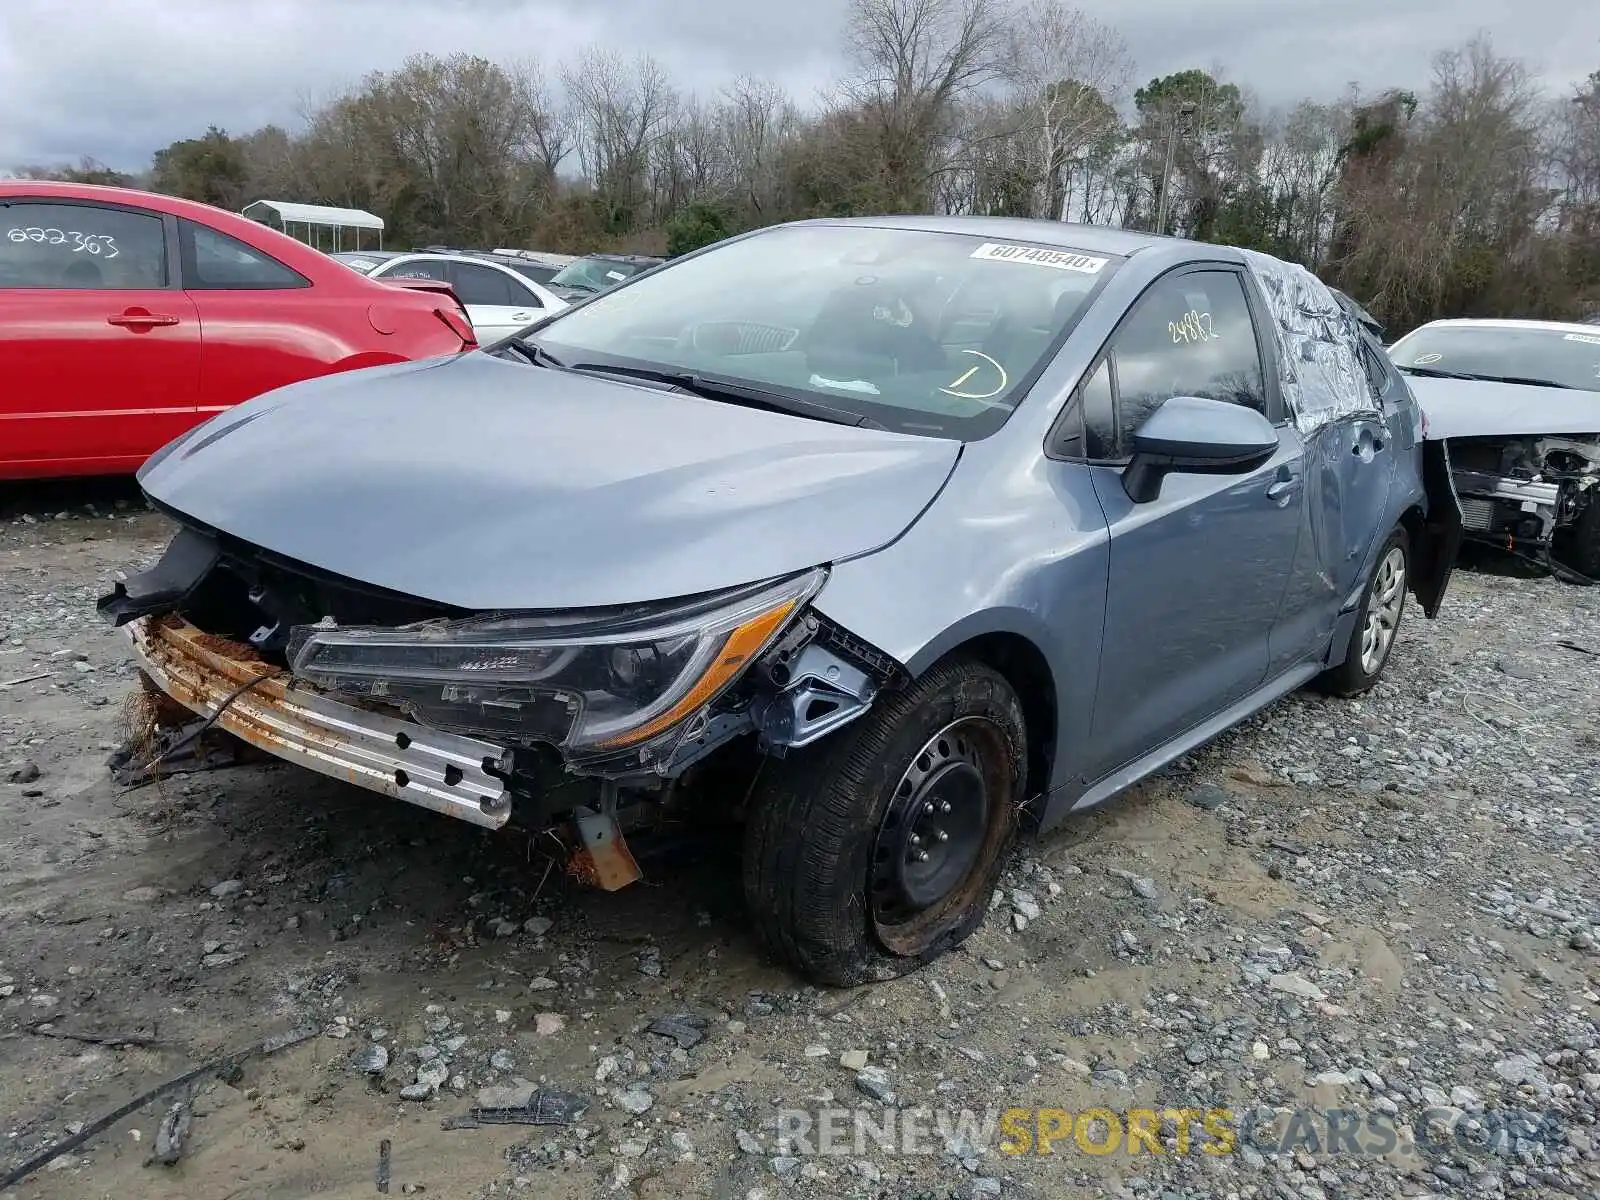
{"x": 442, "y": 772}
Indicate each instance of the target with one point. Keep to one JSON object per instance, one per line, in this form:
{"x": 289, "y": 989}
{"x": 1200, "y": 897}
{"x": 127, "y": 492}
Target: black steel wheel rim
{"x": 939, "y": 819}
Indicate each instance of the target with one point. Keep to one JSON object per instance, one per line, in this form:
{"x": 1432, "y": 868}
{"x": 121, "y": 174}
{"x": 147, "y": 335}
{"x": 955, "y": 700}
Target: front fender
{"x": 1021, "y": 553}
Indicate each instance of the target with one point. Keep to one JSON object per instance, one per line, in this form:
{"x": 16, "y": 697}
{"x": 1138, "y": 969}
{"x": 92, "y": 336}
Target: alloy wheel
{"x": 1385, "y": 600}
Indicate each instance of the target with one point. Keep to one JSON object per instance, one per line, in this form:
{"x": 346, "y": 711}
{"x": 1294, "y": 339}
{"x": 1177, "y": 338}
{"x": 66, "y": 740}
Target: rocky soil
{"x": 1384, "y": 908}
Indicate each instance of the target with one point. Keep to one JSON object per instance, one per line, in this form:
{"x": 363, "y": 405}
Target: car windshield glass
{"x": 594, "y": 274}
{"x": 1564, "y": 357}
{"x": 931, "y": 333}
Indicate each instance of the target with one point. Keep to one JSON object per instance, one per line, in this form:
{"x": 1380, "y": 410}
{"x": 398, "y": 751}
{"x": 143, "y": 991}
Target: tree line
{"x": 1476, "y": 196}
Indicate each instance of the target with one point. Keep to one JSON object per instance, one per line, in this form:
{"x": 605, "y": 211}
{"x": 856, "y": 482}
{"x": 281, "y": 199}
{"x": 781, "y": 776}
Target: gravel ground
{"x": 1383, "y": 908}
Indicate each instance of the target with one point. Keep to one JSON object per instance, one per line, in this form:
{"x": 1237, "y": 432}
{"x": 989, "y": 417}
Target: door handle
{"x": 521, "y": 316}
{"x": 140, "y": 320}
{"x": 1283, "y": 491}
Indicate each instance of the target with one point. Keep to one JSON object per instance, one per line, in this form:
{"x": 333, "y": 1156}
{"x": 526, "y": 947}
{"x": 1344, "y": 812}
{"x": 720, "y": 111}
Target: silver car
{"x": 886, "y": 536}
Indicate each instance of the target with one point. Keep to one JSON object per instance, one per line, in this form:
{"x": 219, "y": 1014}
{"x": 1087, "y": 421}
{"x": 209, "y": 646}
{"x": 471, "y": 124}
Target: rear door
{"x": 497, "y": 301}
{"x": 1351, "y": 470}
{"x": 99, "y": 347}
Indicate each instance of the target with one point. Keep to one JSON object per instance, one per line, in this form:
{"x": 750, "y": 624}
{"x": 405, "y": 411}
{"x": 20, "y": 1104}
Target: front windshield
{"x": 931, "y": 333}
{"x": 1563, "y": 357}
{"x": 594, "y": 274}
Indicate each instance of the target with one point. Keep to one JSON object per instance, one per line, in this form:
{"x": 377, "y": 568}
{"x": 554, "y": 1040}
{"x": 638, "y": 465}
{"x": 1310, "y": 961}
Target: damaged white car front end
{"x": 1525, "y": 462}
{"x": 1524, "y": 490}
{"x": 1516, "y": 406}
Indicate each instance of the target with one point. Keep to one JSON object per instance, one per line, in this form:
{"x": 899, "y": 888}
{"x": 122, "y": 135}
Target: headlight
{"x": 591, "y": 685}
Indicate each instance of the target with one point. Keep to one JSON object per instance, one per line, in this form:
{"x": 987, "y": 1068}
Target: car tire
{"x": 831, "y": 875}
{"x": 1383, "y": 603}
{"x": 1584, "y": 546}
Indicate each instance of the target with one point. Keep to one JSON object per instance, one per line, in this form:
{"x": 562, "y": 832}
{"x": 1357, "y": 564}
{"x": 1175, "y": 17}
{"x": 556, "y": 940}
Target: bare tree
{"x": 620, "y": 110}
{"x": 757, "y": 118}
{"x": 1068, "y": 72}
{"x": 916, "y": 60}
{"x": 549, "y": 136}
{"x": 1450, "y": 221}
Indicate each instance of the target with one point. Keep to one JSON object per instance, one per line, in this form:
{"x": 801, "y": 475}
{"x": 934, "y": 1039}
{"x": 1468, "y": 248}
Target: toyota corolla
{"x": 886, "y": 535}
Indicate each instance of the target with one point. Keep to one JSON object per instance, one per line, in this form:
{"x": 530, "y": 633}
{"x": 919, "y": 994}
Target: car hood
{"x": 484, "y": 483}
{"x": 1459, "y": 408}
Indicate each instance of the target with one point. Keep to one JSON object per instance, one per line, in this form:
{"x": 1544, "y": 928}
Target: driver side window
{"x": 1189, "y": 335}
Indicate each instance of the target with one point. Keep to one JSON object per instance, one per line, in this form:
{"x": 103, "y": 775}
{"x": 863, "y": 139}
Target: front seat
{"x": 851, "y": 326}
{"x": 83, "y": 274}
{"x": 1023, "y": 332}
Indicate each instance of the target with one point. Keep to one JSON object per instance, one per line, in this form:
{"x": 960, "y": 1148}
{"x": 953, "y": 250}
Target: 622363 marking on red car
{"x": 94, "y": 243}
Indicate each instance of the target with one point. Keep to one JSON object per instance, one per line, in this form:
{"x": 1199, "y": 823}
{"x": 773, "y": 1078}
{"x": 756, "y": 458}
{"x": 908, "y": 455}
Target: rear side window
{"x": 215, "y": 262}
{"x": 484, "y": 285}
{"x": 81, "y": 247}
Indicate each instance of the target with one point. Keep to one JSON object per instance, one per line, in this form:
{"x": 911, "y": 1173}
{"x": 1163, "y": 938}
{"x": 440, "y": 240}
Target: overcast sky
{"x": 117, "y": 79}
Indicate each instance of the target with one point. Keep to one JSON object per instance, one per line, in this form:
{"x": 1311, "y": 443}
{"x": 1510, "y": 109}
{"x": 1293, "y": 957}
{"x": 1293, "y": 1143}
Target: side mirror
{"x": 1192, "y": 435}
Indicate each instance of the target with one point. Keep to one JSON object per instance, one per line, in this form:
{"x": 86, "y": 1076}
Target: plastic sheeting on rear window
{"x": 1317, "y": 339}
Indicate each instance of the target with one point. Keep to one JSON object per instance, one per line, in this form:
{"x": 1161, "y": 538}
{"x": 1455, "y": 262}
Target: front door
{"x": 1197, "y": 575}
{"x": 99, "y": 346}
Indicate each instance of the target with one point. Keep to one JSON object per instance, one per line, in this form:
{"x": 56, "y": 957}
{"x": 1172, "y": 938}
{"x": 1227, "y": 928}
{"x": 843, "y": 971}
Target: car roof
{"x": 1507, "y": 323}
{"x": 606, "y": 256}
{"x": 380, "y": 255}
{"x": 483, "y": 256}
{"x": 107, "y": 194}
{"x": 463, "y": 255}
{"x": 1098, "y": 239}
{"x": 542, "y": 258}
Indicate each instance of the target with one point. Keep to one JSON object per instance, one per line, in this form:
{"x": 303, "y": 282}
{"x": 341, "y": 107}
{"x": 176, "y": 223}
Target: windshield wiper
{"x": 739, "y": 393}
{"x": 538, "y": 353}
{"x": 1436, "y": 373}
{"x": 1528, "y": 380}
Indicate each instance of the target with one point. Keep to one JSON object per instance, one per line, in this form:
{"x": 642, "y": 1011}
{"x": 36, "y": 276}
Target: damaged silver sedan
{"x": 883, "y": 537}
{"x": 1516, "y": 405}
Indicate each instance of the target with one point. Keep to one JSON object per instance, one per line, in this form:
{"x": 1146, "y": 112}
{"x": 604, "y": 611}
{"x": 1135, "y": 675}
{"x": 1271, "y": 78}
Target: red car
{"x": 126, "y": 318}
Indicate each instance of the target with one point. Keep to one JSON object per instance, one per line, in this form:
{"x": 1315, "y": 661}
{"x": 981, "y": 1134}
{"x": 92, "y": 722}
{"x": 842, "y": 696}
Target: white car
{"x": 499, "y": 299}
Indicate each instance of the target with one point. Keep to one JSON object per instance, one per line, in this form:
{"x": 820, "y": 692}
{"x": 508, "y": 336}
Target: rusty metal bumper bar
{"x": 401, "y": 759}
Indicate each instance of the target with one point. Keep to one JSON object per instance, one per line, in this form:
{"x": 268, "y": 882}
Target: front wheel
{"x": 1584, "y": 548}
{"x": 1382, "y": 605}
{"x": 876, "y": 851}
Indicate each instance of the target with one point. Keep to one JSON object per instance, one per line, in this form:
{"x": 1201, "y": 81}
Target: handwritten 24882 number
{"x": 1193, "y": 327}
{"x": 80, "y": 243}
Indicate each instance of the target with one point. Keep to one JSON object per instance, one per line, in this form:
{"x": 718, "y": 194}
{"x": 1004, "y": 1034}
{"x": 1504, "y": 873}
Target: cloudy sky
{"x": 116, "y": 79}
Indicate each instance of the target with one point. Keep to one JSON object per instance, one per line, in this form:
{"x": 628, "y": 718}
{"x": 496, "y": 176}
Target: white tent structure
{"x": 288, "y": 215}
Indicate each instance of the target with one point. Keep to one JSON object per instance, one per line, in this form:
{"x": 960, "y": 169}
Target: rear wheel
{"x": 1382, "y": 605}
{"x": 875, "y": 852}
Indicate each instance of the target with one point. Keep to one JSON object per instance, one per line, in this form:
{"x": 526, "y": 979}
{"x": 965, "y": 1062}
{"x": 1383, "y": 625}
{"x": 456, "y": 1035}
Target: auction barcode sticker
{"x": 1591, "y": 339}
{"x": 1061, "y": 260}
